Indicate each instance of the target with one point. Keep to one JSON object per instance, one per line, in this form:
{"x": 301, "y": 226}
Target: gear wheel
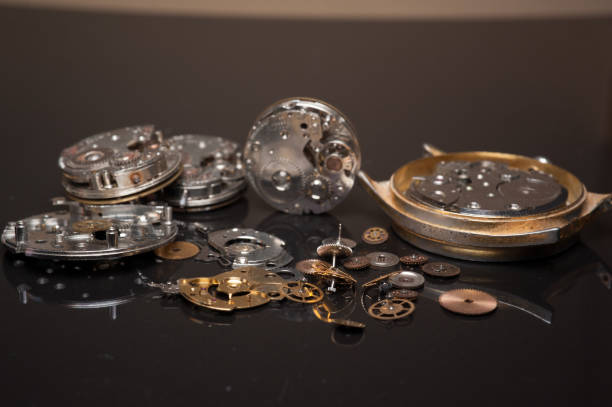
{"x": 90, "y": 159}
{"x": 318, "y": 188}
{"x": 282, "y": 181}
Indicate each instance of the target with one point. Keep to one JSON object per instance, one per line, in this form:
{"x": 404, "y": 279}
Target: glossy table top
{"x": 532, "y": 87}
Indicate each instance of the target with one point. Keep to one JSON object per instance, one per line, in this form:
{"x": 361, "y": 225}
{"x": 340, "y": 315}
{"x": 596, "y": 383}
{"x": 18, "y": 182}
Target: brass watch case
{"x": 485, "y": 238}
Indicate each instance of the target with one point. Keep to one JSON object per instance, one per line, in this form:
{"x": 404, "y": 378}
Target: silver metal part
{"x": 407, "y": 279}
{"x": 90, "y": 232}
{"x": 382, "y": 260}
{"x": 250, "y": 247}
{"x": 213, "y": 174}
{"x": 118, "y": 163}
{"x": 345, "y": 241}
{"x": 488, "y": 188}
{"x": 302, "y": 156}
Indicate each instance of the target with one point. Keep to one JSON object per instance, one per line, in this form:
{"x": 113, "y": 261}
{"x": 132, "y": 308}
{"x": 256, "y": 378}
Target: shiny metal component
{"x": 345, "y": 241}
{"x": 407, "y": 279}
{"x": 414, "y": 259}
{"x": 375, "y": 235}
{"x": 404, "y": 293}
{"x": 130, "y": 229}
{"x": 335, "y": 250}
{"x": 546, "y": 225}
{"x": 299, "y": 291}
{"x": 382, "y": 260}
{"x": 249, "y": 247}
{"x": 356, "y": 263}
{"x": 213, "y": 175}
{"x": 468, "y": 302}
{"x": 179, "y": 250}
{"x": 312, "y": 266}
{"x": 441, "y": 270}
{"x": 119, "y": 165}
{"x": 302, "y": 156}
{"x": 322, "y": 312}
{"x": 487, "y": 188}
{"x": 334, "y": 273}
{"x": 389, "y": 309}
{"x": 201, "y": 291}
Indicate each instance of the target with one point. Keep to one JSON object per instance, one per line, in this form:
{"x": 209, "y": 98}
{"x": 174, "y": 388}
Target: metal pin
{"x": 20, "y": 232}
{"x": 112, "y": 237}
{"x": 167, "y": 215}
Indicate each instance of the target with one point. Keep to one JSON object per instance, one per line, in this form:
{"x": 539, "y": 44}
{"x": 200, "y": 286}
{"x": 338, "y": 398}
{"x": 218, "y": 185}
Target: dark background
{"x": 531, "y": 87}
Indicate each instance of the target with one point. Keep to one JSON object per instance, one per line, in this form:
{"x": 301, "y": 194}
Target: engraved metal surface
{"x": 132, "y": 229}
{"x": 488, "y": 188}
{"x": 302, "y": 156}
{"x": 249, "y": 247}
{"x": 118, "y": 163}
{"x": 213, "y": 174}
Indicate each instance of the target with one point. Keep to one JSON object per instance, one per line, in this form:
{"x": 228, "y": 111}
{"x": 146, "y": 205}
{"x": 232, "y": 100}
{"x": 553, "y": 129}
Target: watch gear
{"x": 356, "y": 263}
{"x": 382, "y": 260}
{"x": 468, "y": 301}
{"x": 407, "y": 279}
{"x": 300, "y": 291}
{"x": 301, "y": 156}
{"x": 375, "y": 235}
{"x": 213, "y": 174}
{"x": 389, "y": 309}
{"x": 345, "y": 241}
{"x": 414, "y": 259}
{"x": 404, "y": 293}
{"x": 91, "y": 232}
{"x": 441, "y": 270}
{"x": 312, "y": 266}
{"x": 119, "y": 165}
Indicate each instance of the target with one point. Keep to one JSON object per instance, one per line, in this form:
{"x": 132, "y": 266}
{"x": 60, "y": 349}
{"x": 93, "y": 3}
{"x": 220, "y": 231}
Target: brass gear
{"x": 390, "y": 309}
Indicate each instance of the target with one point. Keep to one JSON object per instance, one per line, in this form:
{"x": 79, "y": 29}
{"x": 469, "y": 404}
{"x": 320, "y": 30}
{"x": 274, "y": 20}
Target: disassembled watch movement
{"x": 119, "y": 165}
{"x": 486, "y": 206}
{"x": 302, "y": 156}
{"x": 213, "y": 175}
{"x": 91, "y": 232}
{"x": 248, "y": 247}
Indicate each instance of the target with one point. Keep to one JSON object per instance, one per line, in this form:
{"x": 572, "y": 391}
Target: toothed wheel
{"x": 389, "y": 309}
{"x": 90, "y": 159}
{"x": 300, "y": 291}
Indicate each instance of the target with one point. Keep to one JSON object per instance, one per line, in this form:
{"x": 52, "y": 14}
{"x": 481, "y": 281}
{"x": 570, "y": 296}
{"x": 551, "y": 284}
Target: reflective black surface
{"x": 99, "y": 337}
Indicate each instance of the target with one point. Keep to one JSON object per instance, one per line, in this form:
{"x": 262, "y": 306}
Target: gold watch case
{"x": 485, "y": 238}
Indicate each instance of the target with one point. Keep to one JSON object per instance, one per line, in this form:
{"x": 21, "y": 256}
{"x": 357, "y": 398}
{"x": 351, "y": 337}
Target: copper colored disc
{"x": 414, "y": 259}
{"x": 179, "y": 250}
{"x": 468, "y": 301}
{"x": 312, "y": 266}
{"x": 356, "y": 263}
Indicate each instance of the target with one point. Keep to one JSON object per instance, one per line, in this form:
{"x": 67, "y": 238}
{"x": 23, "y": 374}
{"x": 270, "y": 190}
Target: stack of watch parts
{"x": 119, "y": 165}
{"x": 213, "y": 175}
